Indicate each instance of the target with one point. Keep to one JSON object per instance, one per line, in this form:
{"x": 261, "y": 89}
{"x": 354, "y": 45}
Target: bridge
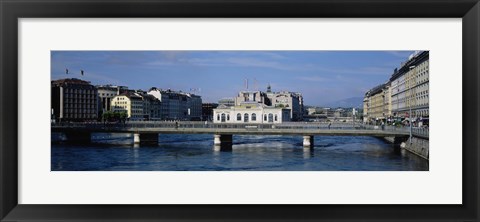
{"x": 147, "y": 132}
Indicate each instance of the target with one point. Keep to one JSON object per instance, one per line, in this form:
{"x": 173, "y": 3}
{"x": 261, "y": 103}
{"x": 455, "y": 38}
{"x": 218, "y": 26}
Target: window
{"x": 245, "y": 119}
{"x": 270, "y": 118}
{"x": 218, "y": 117}
{"x": 265, "y": 117}
{"x": 276, "y": 117}
{"x": 228, "y": 117}
{"x": 223, "y": 117}
{"x": 239, "y": 117}
{"x": 254, "y": 117}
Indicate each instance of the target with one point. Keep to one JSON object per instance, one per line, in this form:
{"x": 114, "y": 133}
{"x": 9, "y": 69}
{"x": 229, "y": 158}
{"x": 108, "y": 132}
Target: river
{"x": 114, "y": 152}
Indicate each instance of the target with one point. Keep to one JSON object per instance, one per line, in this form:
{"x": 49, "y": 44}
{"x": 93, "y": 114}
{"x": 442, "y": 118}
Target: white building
{"x": 250, "y": 112}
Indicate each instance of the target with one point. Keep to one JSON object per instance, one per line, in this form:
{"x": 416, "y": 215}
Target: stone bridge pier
{"x": 308, "y": 142}
{"x": 145, "y": 138}
{"x": 222, "y": 142}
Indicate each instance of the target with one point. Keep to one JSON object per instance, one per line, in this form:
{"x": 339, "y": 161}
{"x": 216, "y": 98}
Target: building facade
{"x": 366, "y": 104}
{"x": 254, "y": 106}
{"x": 130, "y": 103}
{"x": 207, "y": 111}
{"x": 105, "y": 94}
{"x": 289, "y": 100}
{"x": 375, "y": 104}
{"x": 410, "y": 87}
{"x": 194, "y": 107}
{"x": 404, "y": 96}
{"x": 73, "y": 100}
{"x": 178, "y": 105}
{"x": 252, "y": 97}
{"x": 250, "y": 112}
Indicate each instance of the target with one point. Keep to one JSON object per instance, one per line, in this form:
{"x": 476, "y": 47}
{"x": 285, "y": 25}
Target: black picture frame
{"x": 11, "y": 11}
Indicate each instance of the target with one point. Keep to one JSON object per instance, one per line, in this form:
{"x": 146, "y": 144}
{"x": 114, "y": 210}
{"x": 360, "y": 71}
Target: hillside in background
{"x": 353, "y": 102}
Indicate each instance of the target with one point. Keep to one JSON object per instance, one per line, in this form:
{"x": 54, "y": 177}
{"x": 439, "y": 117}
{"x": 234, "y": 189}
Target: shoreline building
{"x": 207, "y": 111}
{"x": 410, "y": 87}
{"x": 130, "y": 103}
{"x": 178, "y": 105}
{"x": 376, "y": 104}
{"x": 250, "y": 112}
{"x": 404, "y": 96}
{"x": 289, "y": 100}
{"x": 73, "y": 100}
{"x": 105, "y": 95}
{"x": 261, "y": 107}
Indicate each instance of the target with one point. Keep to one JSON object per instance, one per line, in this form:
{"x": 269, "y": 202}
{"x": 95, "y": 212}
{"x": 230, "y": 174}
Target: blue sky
{"x": 321, "y": 76}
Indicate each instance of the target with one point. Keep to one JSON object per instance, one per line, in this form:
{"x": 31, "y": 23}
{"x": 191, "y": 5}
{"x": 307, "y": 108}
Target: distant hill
{"x": 353, "y": 102}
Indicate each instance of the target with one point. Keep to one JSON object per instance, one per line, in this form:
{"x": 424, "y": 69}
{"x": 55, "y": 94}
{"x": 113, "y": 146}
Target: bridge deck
{"x": 244, "y": 130}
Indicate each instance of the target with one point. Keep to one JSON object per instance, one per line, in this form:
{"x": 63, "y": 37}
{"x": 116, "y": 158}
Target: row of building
{"x": 78, "y": 100}
{"x": 404, "y": 96}
{"x": 254, "y": 106}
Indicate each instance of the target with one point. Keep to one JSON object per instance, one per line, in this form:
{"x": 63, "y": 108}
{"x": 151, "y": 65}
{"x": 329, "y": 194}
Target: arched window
{"x": 218, "y": 117}
{"x": 265, "y": 117}
{"x": 228, "y": 117}
{"x": 223, "y": 117}
{"x": 276, "y": 118}
{"x": 245, "y": 118}
{"x": 239, "y": 117}
{"x": 270, "y": 118}
{"x": 254, "y": 117}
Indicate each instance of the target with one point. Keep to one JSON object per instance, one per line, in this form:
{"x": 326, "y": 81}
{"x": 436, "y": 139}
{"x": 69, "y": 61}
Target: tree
{"x": 107, "y": 116}
{"x": 123, "y": 116}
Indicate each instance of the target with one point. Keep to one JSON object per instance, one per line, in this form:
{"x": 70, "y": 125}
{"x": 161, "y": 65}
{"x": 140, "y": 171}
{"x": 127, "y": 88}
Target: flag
{"x": 66, "y": 71}
{"x": 81, "y": 72}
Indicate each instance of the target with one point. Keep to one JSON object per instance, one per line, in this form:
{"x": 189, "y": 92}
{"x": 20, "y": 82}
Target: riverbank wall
{"x": 418, "y": 146}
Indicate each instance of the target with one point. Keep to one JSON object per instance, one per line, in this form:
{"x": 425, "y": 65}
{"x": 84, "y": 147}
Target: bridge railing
{"x": 416, "y": 131}
{"x": 423, "y": 132}
{"x": 197, "y": 124}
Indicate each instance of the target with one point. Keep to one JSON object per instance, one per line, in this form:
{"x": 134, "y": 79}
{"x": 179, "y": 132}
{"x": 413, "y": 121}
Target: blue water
{"x": 114, "y": 152}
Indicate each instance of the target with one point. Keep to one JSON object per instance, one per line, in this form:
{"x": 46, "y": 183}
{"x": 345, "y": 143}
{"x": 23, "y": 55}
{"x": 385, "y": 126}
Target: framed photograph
{"x": 281, "y": 110}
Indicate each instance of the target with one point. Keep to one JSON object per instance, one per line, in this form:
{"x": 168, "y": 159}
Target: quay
{"x": 147, "y": 132}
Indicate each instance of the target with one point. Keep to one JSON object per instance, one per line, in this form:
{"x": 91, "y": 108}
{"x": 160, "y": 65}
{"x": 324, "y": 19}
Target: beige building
{"x": 410, "y": 87}
{"x": 130, "y": 103}
{"x": 366, "y": 104}
{"x": 377, "y": 104}
{"x": 387, "y": 101}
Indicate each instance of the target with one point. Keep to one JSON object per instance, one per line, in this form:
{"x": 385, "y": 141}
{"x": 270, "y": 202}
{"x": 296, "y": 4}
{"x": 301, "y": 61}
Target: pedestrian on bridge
{"x": 329, "y": 124}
